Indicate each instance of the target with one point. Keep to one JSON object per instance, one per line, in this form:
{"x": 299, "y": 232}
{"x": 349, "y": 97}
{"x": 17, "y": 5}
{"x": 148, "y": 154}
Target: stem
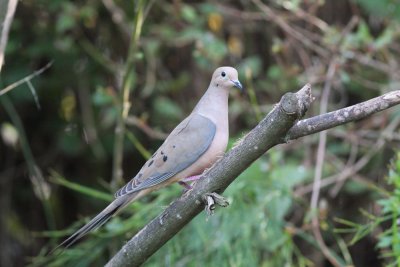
{"x": 318, "y": 170}
{"x": 127, "y": 84}
{"x": 40, "y": 187}
{"x": 24, "y": 80}
{"x": 6, "y": 24}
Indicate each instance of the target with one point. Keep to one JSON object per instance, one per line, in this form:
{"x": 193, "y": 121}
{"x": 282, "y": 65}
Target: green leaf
{"x": 274, "y": 72}
{"x": 188, "y": 13}
{"x": 101, "y": 97}
{"x": 65, "y": 22}
{"x": 167, "y": 109}
{"x": 253, "y": 63}
{"x": 363, "y": 32}
{"x": 385, "y": 241}
{"x": 58, "y": 179}
{"x": 385, "y": 39}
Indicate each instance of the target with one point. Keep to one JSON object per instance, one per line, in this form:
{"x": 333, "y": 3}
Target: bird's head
{"x": 226, "y": 77}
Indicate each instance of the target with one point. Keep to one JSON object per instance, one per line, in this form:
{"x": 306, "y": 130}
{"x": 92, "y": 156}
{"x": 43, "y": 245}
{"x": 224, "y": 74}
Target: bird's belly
{"x": 213, "y": 153}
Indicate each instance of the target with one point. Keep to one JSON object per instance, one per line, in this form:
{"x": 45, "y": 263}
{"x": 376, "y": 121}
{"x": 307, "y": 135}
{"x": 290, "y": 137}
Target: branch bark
{"x": 345, "y": 115}
{"x": 279, "y": 126}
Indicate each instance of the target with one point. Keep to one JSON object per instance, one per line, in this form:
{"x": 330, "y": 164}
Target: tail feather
{"x": 95, "y": 223}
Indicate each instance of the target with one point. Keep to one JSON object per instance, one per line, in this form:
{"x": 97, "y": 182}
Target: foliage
{"x": 388, "y": 238}
{"x": 251, "y": 231}
{"x": 56, "y": 160}
{"x": 386, "y": 8}
{"x": 260, "y": 200}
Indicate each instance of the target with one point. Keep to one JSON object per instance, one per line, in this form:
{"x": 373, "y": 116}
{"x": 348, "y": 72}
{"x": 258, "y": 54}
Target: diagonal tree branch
{"x": 276, "y": 128}
{"x": 267, "y": 134}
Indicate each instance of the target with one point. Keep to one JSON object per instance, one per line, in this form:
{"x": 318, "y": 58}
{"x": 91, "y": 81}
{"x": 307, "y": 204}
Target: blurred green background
{"x": 57, "y": 141}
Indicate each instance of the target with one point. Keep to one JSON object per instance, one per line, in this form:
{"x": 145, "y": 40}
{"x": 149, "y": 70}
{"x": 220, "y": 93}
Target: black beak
{"x": 238, "y": 85}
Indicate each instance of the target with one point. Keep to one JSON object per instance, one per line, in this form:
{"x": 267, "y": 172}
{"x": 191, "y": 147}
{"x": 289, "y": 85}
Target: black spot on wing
{"x": 151, "y": 162}
{"x": 165, "y": 158}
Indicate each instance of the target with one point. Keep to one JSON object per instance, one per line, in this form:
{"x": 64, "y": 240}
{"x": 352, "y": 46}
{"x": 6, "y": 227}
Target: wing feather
{"x": 183, "y": 147}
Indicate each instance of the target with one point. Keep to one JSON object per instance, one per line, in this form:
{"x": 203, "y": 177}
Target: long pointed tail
{"x": 96, "y": 222}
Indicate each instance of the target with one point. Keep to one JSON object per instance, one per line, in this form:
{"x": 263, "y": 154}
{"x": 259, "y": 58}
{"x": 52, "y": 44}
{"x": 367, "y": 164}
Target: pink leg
{"x": 185, "y": 185}
{"x": 191, "y": 178}
{"x": 184, "y": 181}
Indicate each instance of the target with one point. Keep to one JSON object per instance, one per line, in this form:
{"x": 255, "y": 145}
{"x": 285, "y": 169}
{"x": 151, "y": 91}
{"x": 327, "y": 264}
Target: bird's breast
{"x": 213, "y": 153}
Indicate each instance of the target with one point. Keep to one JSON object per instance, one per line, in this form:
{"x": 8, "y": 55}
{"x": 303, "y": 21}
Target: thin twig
{"x": 40, "y": 186}
{"x": 12, "y": 5}
{"x": 89, "y": 125}
{"x": 127, "y": 84}
{"x": 349, "y": 171}
{"x": 271, "y": 16}
{"x": 239, "y": 14}
{"x": 370, "y": 62}
{"x": 318, "y": 169}
{"x": 35, "y": 96}
{"x": 310, "y": 18}
{"x": 117, "y": 15}
{"x": 350, "y": 162}
{"x": 345, "y": 173}
{"x": 99, "y": 57}
{"x": 135, "y": 121}
{"x": 24, "y": 80}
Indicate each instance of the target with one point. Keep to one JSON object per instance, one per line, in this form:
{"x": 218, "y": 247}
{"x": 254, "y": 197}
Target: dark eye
{"x": 223, "y": 74}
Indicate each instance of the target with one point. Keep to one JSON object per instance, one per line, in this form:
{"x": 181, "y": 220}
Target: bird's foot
{"x": 213, "y": 199}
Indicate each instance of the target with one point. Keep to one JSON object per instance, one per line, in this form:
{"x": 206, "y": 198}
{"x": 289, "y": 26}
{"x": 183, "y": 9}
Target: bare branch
{"x": 345, "y": 115}
{"x": 264, "y": 136}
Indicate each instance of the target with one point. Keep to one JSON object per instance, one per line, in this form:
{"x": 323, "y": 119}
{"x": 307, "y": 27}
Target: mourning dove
{"x": 194, "y": 145}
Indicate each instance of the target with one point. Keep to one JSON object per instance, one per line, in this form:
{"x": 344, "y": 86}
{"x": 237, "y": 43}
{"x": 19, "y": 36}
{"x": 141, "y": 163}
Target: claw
{"x": 213, "y": 199}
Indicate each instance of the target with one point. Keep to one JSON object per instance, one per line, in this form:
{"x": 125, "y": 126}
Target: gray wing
{"x": 183, "y": 147}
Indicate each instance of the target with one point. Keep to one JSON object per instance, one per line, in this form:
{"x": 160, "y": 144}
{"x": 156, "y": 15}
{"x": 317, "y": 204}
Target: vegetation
{"x": 141, "y": 66}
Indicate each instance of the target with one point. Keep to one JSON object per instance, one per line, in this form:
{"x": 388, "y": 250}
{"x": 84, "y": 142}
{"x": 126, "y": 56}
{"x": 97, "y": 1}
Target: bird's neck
{"x": 214, "y": 104}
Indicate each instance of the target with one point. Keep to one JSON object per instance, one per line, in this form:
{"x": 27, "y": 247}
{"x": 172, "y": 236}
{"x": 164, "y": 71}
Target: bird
{"x": 193, "y": 146}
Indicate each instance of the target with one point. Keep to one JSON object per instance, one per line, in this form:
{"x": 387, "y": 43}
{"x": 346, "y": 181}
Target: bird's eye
{"x": 223, "y": 74}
